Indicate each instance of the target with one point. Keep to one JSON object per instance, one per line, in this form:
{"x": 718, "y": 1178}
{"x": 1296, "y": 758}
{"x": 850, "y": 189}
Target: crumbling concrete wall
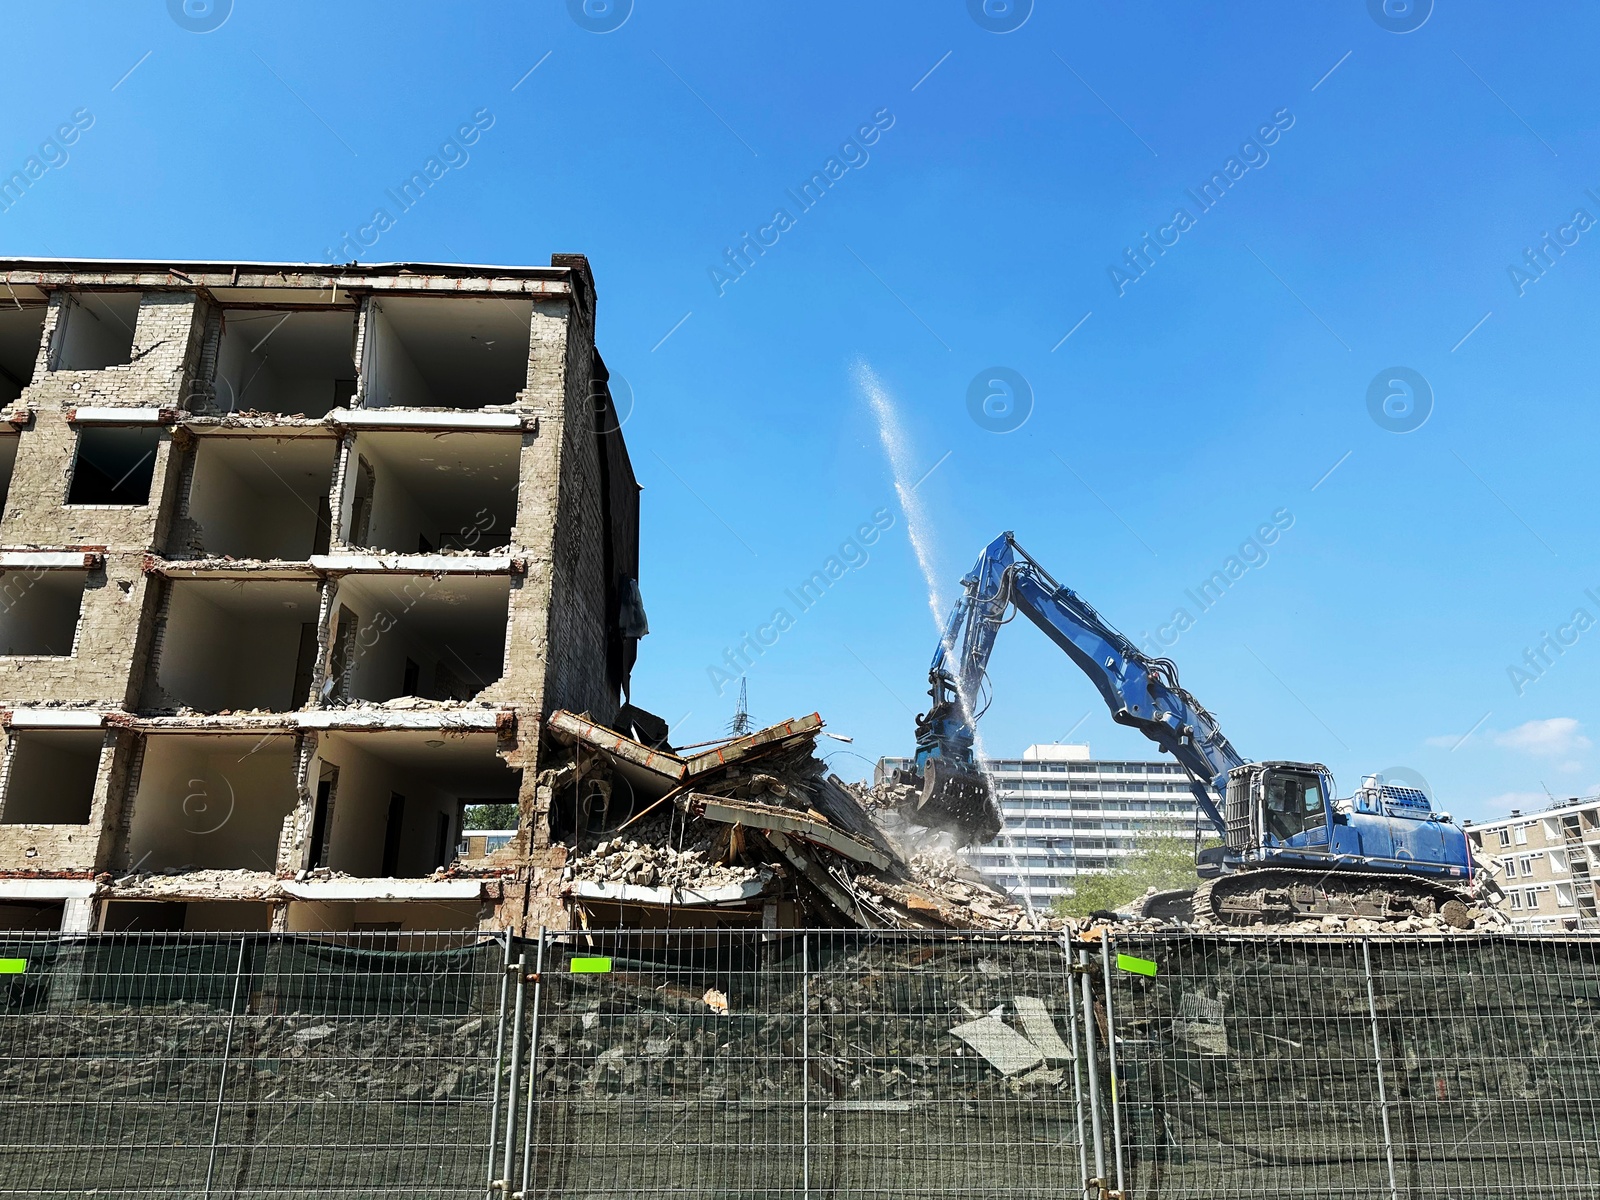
{"x": 573, "y": 487}
{"x": 529, "y": 650}
{"x": 101, "y": 669}
{"x": 578, "y": 617}
{"x": 294, "y": 838}
{"x": 577, "y": 528}
{"x": 620, "y": 497}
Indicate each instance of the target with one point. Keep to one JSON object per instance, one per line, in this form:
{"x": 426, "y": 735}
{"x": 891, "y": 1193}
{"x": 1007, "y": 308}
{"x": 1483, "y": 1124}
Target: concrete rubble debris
{"x": 1480, "y": 918}
{"x": 647, "y": 857}
{"x": 761, "y": 806}
{"x": 1006, "y": 1049}
{"x": 882, "y": 1034}
{"x": 1041, "y": 1028}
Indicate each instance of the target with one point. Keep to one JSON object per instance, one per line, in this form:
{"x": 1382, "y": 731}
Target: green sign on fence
{"x": 589, "y": 966}
{"x": 13, "y": 966}
{"x": 1139, "y": 966}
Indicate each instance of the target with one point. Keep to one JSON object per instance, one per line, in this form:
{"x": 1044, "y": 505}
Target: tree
{"x": 490, "y": 816}
{"x": 1162, "y": 861}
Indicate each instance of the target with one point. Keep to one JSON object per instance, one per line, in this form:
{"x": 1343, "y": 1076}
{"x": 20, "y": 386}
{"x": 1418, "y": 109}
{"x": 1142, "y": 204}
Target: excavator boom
{"x": 1287, "y": 846}
{"x": 1141, "y": 692}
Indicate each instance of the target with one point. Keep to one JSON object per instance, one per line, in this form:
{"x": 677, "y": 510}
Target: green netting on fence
{"x": 728, "y": 1064}
{"x": 222, "y": 1066}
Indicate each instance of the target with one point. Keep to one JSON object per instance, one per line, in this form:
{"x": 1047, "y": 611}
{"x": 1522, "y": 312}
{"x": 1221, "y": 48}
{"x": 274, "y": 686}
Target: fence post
{"x": 1092, "y": 1066}
{"x": 533, "y": 1065}
{"x": 805, "y": 1064}
{"x": 1377, "y": 1058}
{"x": 499, "y": 1067}
{"x": 227, "y": 1055}
{"x": 1111, "y": 1062}
{"x": 521, "y": 968}
{"x": 1077, "y": 1061}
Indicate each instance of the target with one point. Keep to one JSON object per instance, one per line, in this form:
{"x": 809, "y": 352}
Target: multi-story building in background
{"x": 294, "y": 559}
{"x": 480, "y": 843}
{"x": 1548, "y": 863}
{"x": 1066, "y": 814}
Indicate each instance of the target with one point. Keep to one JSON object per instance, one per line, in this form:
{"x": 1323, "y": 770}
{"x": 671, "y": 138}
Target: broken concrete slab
{"x": 667, "y": 768}
{"x": 673, "y": 897}
{"x": 817, "y": 876}
{"x": 1040, "y": 1027}
{"x": 730, "y": 753}
{"x": 771, "y": 817}
{"x": 1006, "y": 1050}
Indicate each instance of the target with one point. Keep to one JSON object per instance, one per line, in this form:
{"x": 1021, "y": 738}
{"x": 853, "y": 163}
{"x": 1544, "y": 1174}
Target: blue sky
{"x": 1169, "y": 414}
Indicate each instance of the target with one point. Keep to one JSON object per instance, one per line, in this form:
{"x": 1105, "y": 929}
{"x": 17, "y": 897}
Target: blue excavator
{"x": 1288, "y": 849}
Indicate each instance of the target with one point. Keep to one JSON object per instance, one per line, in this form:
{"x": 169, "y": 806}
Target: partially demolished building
{"x": 293, "y": 560}
{"x": 297, "y": 563}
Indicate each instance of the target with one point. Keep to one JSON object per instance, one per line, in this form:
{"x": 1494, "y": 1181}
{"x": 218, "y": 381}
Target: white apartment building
{"x": 1547, "y": 862}
{"x": 1067, "y": 814}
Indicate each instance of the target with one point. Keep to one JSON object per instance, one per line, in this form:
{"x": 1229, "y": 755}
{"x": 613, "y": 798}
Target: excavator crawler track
{"x": 1169, "y": 906}
{"x": 1269, "y": 894}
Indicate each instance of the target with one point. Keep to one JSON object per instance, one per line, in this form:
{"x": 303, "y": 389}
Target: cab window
{"x": 1294, "y": 804}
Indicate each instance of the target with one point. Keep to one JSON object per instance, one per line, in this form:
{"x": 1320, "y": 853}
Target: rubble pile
{"x": 752, "y": 828}
{"x": 885, "y": 797}
{"x": 1484, "y": 920}
{"x": 891, "y": 1022}
{"x": 333, "y": 1053}
{"x": 1481, "y": 917}
{"x": 648, "y": 857}
{"x": 938, "y": 868}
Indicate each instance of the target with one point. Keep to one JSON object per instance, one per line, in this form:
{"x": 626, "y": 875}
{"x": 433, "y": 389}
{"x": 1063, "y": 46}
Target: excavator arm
{"x": 1289, "y": 849}
{"x": 1141, "y": 692}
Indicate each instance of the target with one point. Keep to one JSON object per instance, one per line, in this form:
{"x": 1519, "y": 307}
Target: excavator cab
{"x": 1277, "y": 804}
{"x": 1293, "y": 802}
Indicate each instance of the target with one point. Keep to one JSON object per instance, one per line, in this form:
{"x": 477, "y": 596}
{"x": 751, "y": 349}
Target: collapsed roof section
{"x": 747, "y": 831}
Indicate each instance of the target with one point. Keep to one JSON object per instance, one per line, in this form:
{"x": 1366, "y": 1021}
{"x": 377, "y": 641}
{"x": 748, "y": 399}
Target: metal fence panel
{"x": 721, "y": 1064}
{"x": 1491, "y": 1055}
{"x": 725, "y": 1065}
{"x": 1404, "y": 1068}
{"x": 183, "y": 1065}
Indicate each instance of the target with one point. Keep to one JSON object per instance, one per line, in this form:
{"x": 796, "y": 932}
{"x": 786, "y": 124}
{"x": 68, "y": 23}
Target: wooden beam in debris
{"x": 784, "y": 820}
{"x": 570, "y": 727}
{"x": 742, "y": 747}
